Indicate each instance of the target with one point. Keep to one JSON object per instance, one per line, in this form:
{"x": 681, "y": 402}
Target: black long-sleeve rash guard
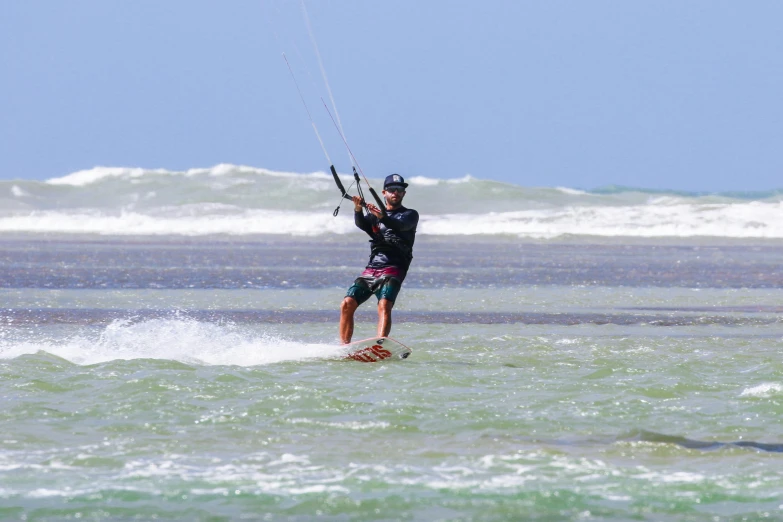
{"x": 392, "y": 237}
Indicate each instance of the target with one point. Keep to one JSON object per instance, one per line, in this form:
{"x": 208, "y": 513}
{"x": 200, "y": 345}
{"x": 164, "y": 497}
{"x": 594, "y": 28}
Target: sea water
{"x": 168, "y": 351}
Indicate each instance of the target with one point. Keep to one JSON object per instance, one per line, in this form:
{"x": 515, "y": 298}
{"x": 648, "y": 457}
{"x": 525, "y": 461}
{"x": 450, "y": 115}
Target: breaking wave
{"x": 242, "y": 200}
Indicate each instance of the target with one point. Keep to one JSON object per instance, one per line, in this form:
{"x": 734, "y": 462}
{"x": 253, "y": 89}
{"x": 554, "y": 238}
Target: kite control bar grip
{"x": 339, "y": 183}
{"x": 349, "y": 198}
{"x": 379, "y": 201}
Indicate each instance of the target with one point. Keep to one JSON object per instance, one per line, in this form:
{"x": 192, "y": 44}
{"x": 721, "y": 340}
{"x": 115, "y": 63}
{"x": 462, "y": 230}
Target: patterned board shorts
{"x": 385, "y": 283}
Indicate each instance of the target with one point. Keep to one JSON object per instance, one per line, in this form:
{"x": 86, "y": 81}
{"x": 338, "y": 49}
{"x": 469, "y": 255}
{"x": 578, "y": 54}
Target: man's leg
{"x": 384, "y": 317}
{"x": 347, "y": 309}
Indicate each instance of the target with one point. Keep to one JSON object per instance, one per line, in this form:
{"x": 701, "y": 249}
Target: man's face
{"x": 394, "y": 195}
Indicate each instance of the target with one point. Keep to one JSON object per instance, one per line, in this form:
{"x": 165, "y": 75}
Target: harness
{"x": 385, "y": 244}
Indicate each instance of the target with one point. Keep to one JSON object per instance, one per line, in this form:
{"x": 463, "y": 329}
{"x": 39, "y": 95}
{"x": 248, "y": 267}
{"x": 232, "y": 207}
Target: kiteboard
{"x": 377, "y": 349}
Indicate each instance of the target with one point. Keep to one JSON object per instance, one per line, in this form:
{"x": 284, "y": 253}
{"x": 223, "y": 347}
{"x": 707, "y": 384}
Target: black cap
{"x": 394, "y": 179}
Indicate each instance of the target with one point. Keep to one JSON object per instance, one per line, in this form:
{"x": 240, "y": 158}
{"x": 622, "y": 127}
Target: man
{"x": 391, "y": 250}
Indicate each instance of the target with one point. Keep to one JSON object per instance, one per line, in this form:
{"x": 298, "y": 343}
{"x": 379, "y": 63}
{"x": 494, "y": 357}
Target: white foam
{"x": 17, "y": 192}
{"x": 193, "y": 223}
{"x": 187, "y": 341}
{"x": 98, "y": 174}
{"x": 423, "y": 181}
{"x": 767, "y": 389}
{"x": 740, "y": 220}
{"x": 86, "y": 177}
{"x": 348, "y": 425}
{"x": 677, "y": 477}
{"x": 572, "y": 192}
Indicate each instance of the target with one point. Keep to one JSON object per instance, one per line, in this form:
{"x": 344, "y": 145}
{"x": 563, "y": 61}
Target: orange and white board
{"x": 377, "y": 349}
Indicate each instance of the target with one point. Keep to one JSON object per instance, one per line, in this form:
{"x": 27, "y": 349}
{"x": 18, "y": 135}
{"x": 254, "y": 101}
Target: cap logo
{"x": 396, "y": 179}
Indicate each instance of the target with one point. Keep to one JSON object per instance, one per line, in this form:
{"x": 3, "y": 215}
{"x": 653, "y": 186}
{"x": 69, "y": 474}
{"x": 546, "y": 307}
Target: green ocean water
{"x": 571, "y": 400}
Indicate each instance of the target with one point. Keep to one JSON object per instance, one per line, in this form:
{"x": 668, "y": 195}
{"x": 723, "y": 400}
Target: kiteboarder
{"x": 392, "y": 235}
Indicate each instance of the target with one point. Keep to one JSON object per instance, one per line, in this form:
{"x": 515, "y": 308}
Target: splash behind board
{"x": 377, "y": 349}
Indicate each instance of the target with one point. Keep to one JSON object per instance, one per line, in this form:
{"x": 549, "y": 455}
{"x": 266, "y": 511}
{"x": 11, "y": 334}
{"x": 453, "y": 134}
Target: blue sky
{"x": 672, "y": 94}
